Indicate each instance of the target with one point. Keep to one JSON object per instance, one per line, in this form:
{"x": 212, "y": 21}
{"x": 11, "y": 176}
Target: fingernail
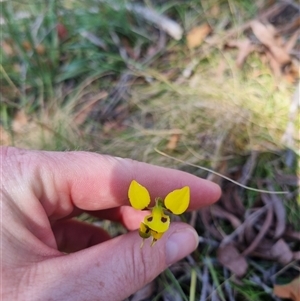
{"x": 180, "y": 244}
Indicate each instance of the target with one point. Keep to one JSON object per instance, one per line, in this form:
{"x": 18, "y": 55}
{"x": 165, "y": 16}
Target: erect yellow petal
{"x": 138, "y": 195}
{"x": 157, "y": 220}
{"x": 178, "y": 200}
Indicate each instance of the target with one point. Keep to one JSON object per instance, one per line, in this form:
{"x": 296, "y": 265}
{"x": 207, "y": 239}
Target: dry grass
{"x": 209, "y": 112}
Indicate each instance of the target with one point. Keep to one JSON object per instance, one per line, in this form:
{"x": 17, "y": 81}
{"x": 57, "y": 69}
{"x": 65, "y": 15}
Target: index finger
{"x": 90, "y": 181}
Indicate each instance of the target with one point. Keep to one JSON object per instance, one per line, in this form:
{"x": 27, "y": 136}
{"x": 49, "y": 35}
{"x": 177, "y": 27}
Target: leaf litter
{"x": 268, "y": 37}
{"x": 261, "y": 232}
{"x": 289, "y": 291}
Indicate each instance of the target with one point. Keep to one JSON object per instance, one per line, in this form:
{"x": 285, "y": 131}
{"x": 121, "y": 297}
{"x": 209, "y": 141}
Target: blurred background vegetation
{"x": 209, "y": 83}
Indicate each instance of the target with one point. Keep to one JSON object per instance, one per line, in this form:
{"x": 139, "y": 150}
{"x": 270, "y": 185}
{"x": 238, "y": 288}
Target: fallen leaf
{"x": 266, "y": 35}
{"x": 173, "y": 141}
{"x": 231, "y": 258}
{"x": 196, "y": 36}
{"x": 289, "y": 291}
{"x": 280, "y": 251}
{"x": 245, "y": 48}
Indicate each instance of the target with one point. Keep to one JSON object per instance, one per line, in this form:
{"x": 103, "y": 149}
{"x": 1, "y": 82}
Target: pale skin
{"x": 41, "y": 191}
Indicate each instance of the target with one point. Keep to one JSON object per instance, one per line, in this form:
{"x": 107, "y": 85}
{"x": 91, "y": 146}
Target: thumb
{"x": 117, "y": 268}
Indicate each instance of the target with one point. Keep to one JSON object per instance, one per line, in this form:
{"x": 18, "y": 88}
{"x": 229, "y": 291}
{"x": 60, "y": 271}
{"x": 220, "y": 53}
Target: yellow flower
{"x": 157, "y": 223}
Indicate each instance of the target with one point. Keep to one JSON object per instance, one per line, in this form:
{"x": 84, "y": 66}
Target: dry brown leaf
{"x": 282, "y": 252}
{"x": 173, "y": 141}
{"x": 196, "y": 36}
{"x": 266, "y": 35}
{"x": 231, "y": 258}
{"x": 245, "y": 48}
{"x": 289, "y": 291}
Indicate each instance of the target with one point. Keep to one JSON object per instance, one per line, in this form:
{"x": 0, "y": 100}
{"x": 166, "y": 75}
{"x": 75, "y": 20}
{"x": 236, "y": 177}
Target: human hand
{"x": 41, "y": 191}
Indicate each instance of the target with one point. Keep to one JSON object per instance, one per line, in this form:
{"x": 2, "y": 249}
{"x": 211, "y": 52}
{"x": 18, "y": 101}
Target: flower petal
{"x": 157, "y": 220}
{"x": 178, "y": 200}
{"x": 138, "y": 195}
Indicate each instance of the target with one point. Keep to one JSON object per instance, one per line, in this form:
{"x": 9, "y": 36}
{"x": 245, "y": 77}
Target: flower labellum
{"x": 157, "y": 223}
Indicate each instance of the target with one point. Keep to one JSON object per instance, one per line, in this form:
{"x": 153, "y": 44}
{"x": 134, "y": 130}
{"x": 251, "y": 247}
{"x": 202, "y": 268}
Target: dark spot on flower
{"x": 164, "y": 219}
{"x": 150, "y": 218}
